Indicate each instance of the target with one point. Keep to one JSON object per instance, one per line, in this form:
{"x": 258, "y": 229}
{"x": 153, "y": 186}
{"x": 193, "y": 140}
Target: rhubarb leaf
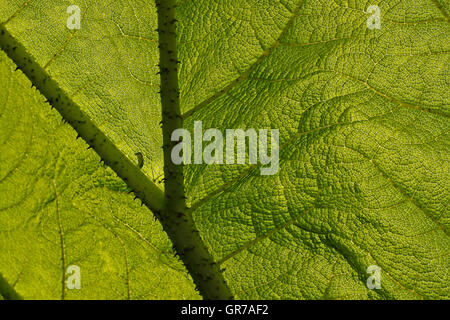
{"x": 363, "y": 120}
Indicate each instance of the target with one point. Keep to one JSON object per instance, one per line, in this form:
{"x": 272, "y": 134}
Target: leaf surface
{"x": 60, "y": 207}
{"x": 363, "y": 120}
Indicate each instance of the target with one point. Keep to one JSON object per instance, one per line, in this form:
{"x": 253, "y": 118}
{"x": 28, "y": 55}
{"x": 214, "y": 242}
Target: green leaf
{"x": 364, "y": 147}
{"x": 61, "y": 207}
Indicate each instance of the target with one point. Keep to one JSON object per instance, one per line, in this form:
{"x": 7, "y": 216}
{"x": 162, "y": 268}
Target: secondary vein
{"x": 176, "y": 218}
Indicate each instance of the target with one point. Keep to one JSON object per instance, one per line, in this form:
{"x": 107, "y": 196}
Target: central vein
{"x": 176, "y": 220}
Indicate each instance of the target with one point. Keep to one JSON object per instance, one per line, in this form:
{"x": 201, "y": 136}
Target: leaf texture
{"x": 364, "y": 147}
